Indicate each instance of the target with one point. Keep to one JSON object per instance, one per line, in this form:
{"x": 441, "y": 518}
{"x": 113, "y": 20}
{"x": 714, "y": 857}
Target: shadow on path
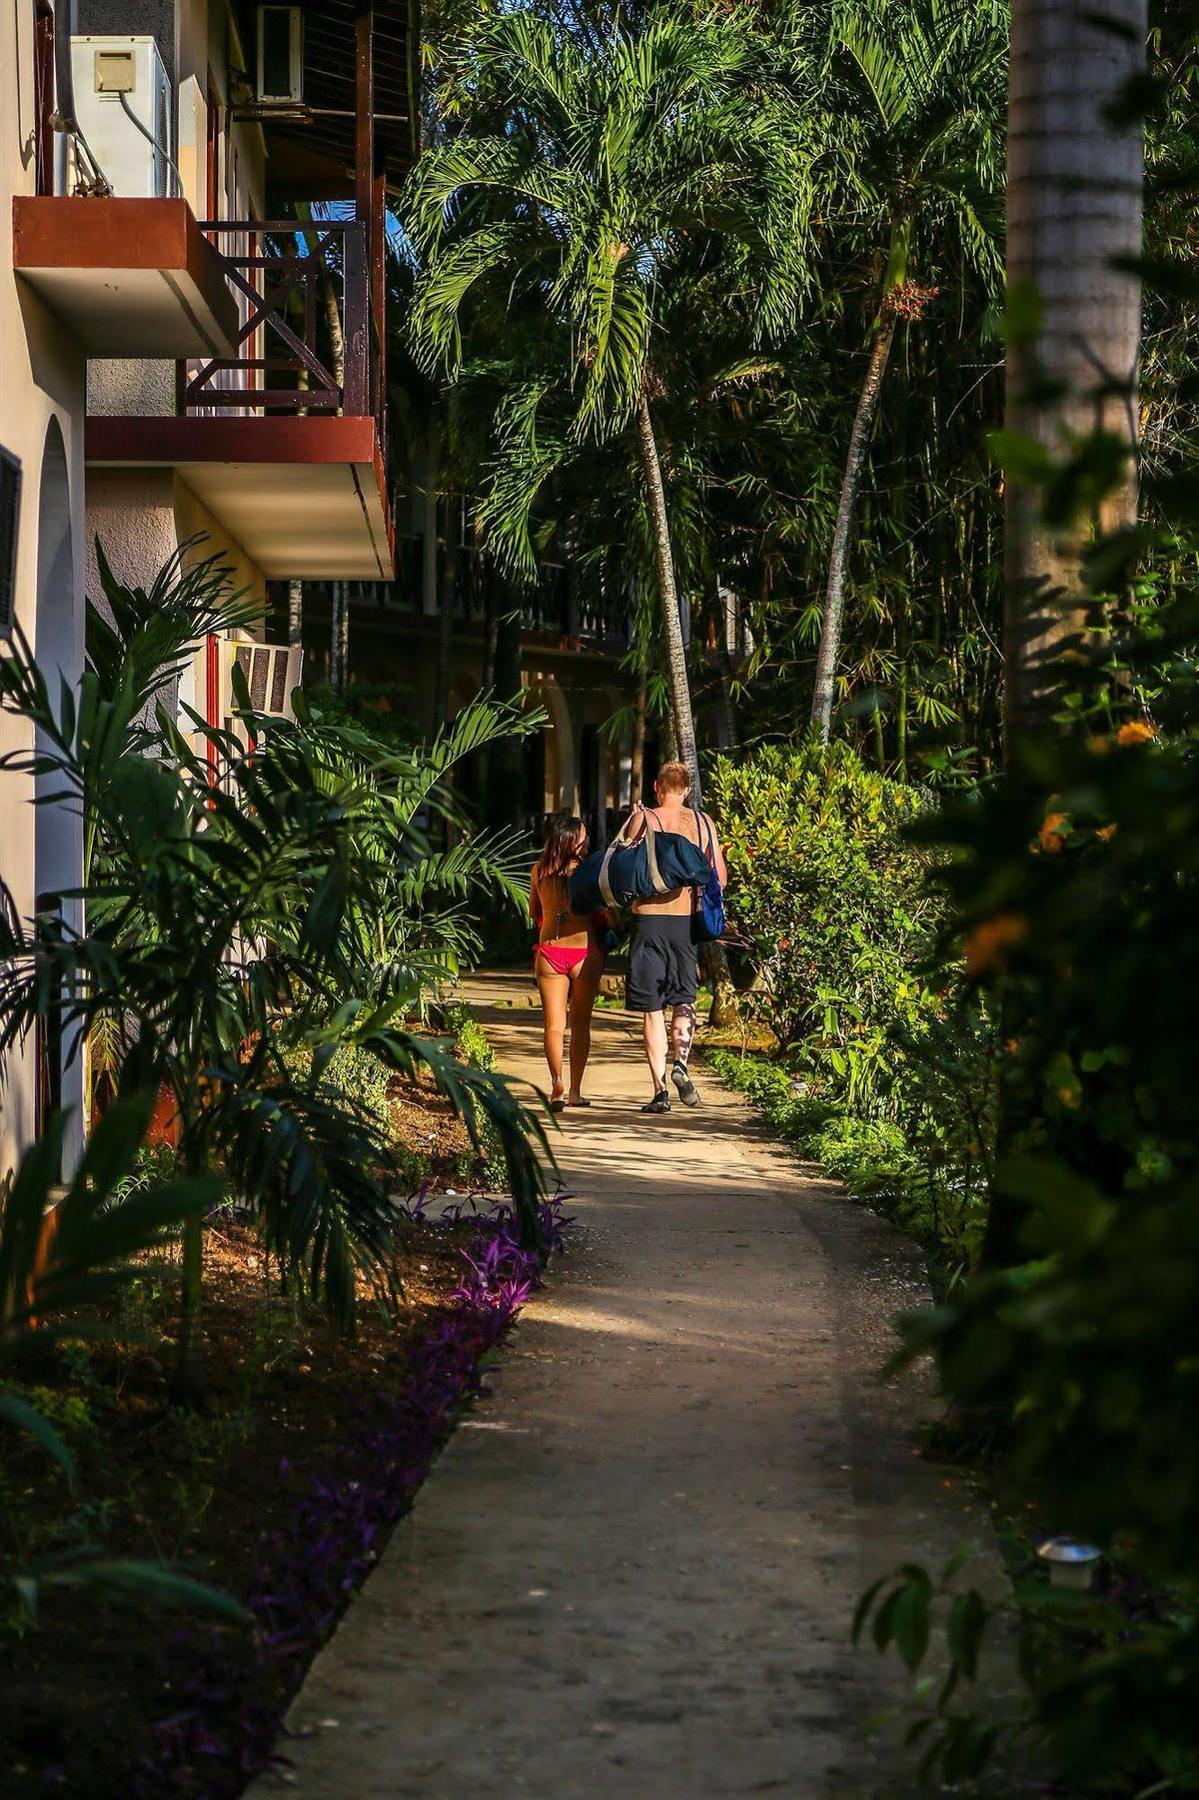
{"x": 633, "y": 1571}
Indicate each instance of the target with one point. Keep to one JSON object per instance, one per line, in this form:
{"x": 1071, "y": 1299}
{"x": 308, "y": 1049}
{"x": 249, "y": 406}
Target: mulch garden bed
{"x": 103, "y": 1699}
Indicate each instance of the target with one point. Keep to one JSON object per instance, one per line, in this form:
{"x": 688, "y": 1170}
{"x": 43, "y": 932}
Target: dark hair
{"x": 564, "y": 840}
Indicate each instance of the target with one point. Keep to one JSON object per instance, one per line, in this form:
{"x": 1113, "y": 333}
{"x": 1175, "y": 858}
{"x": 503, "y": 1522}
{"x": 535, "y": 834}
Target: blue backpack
{"x": 707, "y": 918}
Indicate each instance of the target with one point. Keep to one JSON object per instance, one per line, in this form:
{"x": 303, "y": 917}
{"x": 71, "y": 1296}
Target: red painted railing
{"x": 285, "y": 273}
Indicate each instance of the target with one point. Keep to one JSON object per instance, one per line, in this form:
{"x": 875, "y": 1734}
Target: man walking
{"x": 663, "y": 966}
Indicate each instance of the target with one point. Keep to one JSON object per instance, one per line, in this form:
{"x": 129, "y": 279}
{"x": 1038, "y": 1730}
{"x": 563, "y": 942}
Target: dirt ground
{"x": 80, "y": 1692}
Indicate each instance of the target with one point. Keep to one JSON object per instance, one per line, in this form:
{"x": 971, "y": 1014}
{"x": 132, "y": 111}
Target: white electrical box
{"x": 110, "y": 75}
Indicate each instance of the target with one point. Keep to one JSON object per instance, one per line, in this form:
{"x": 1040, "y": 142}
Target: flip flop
{"x": 573, "y": 1103}
{"x": 557, "y": 1106}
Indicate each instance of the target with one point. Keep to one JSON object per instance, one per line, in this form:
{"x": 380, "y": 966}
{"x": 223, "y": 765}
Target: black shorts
{"x": 663, "y": 968}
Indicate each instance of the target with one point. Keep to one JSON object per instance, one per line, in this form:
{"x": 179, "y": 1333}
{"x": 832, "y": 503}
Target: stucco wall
{"x": 142, "y": 516}
{"x": 41, "y": 379}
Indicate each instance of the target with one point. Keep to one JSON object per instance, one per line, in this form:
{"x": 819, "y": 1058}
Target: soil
{"x": 81, "y": 1691}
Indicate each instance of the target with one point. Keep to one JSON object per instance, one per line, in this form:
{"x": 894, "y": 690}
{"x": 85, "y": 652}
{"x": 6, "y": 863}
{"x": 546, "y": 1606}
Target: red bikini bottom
{"x": 562, "y": 961}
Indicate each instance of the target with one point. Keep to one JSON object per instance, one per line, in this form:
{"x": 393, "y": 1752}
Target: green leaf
{"x": 911, "y": 1627}
{"x": 128, "y": 1578}
{"x": 19, "y": 1413}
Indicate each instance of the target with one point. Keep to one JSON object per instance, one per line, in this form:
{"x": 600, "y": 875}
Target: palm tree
{"x": 602, "y": 161}
{"x": 238, "y": 931}
{"x": 1075, "y": 167}
{"x": 913, "y": 99}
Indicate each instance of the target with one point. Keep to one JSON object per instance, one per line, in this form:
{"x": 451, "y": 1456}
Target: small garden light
{"x": 1070, "y": 1563}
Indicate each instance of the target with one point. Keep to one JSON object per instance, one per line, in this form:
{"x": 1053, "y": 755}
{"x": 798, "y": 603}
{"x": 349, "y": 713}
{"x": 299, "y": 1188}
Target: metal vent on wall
{"x": 10, "y": 502}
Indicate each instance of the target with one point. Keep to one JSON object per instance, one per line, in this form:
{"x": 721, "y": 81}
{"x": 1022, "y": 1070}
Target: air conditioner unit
{"x": 272, "y": 673}
{"x": 123, "y": 107}
{"x": 280, "y": 55}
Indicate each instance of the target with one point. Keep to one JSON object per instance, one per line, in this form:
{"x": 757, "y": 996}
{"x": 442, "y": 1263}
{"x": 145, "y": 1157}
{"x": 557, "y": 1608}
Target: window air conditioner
{"x": 123, "y": 106}
{"x": 272, "y": 673}
{"x": 280, "y": 55}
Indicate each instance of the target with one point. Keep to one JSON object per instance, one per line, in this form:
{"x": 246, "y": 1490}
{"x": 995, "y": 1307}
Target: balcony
{"x": 128, "y": 278}
{"x": 298, "y": 478}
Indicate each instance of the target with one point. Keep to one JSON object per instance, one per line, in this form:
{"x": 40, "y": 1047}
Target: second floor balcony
{"x": 283, "y": 439}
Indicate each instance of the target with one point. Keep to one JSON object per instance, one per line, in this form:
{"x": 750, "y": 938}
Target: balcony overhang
{"x": 128, "y": 278}
{"x": 306, "y": 498}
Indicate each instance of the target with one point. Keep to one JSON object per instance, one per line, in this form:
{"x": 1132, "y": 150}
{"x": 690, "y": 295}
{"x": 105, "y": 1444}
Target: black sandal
{"x": 659, "y": 1104}
{"x": 684, "y": 1086}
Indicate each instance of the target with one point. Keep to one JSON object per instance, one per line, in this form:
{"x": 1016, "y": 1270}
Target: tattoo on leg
{"x": 682, "y": 1032}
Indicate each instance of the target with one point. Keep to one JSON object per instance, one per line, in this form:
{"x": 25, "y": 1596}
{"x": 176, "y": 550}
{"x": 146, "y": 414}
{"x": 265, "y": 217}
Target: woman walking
{"x": 569, "y": 957}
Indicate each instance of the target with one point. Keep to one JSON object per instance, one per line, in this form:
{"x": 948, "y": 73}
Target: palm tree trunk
{"x": 1073, "y": 209}
{"x": 838, "y": 562}
{"x": 712, "y": 959}
{"x": 343, "y": 636}
{"x": 335, "y": 668}
{"x": 676, "y": 656}
{"x": 337, "y": 342}
{"x": 295, "y": 589}
{"x": 637, "y": 756}
{"x": 1073, "y": 212}
{"x": 189, "y": 1382}
{"x": 446, "y": 598}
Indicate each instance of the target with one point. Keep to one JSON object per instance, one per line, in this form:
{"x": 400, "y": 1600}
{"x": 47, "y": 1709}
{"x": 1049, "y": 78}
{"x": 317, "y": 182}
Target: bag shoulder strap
{"x": 702, "y": 823}
{"x": 652, "y": 829}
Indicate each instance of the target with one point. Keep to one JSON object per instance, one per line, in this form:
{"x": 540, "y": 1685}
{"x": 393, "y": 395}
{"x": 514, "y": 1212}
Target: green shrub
{"x": 896, "y": 1089}
{"x": 830, "y": 899}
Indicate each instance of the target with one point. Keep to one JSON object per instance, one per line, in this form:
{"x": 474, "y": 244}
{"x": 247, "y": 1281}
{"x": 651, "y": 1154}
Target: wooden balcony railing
{"x": 285, "y": 273}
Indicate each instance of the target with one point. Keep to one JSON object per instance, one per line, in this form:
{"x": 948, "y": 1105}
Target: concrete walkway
{"x": 633, "y": 1571}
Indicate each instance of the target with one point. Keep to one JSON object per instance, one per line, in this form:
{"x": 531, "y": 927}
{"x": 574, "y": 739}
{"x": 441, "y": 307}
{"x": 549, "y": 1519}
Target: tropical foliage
{"x": 255, "y": 898}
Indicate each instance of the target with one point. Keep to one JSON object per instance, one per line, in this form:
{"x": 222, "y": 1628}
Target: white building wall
{"x": 142, "y": 516}
{"x": 41, "y": 393}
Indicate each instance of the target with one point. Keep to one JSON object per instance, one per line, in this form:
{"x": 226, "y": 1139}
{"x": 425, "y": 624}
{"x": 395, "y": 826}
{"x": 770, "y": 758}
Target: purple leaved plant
{"x": 220, "y": 1738}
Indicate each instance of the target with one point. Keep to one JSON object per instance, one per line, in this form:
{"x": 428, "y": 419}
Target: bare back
{"x": 552, "y": 915}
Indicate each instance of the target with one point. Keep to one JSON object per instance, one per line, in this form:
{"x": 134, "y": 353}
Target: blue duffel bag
{"x": 659, "y": 863}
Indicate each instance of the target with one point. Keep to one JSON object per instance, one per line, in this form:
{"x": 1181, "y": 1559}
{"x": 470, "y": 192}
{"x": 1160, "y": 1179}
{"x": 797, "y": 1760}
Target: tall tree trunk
{"x": 446, "y": 597}
{"x": 730, "y": 611}
{"x": 838, "y": 562}
{"x": 637, "y": 757}
{"x": 713, "y": 959}
{"x": 189, "y": 1382}
{"x": 504, "y": 798}
{"x": 343, "y": 636}
{"x": 295, "y": 589}
{"x": 335, "y": 668}
{"x": 1073, "y": 209}
{"x": 676, "y": 656}
{"x": 337, "y": 342}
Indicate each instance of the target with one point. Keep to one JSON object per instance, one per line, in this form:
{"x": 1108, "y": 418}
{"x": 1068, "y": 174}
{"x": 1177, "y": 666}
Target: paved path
{"x": 632, "y": 1572}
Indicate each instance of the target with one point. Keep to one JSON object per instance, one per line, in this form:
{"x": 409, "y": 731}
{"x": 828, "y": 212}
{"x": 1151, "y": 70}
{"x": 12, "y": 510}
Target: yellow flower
{"x": 1136, "y": 731}
{"x": 987, "y": 945}
{"x": 1106, "y": 833}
